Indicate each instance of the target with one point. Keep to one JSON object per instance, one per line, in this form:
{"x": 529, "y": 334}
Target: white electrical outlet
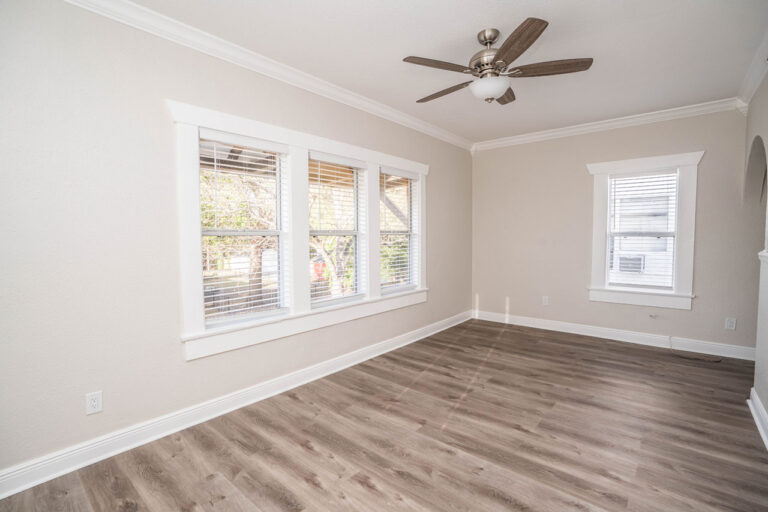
{"x": 93, "y": 402}
{"x": 730, "y": 324}
{"x": 545, "y": 300}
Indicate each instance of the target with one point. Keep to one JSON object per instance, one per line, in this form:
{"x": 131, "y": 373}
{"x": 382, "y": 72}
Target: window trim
{"x": 198, "y": 341}
{"x": 681, "y": 295}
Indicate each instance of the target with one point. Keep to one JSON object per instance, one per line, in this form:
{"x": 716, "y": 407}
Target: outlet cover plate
{"x": 93, "y": 402}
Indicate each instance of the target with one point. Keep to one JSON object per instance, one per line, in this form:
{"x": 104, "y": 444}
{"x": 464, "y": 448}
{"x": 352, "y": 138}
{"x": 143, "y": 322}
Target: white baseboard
{"x": 759, "y": 414}
{"x": 642, "y": 338}
{"x": 36, "y": 471}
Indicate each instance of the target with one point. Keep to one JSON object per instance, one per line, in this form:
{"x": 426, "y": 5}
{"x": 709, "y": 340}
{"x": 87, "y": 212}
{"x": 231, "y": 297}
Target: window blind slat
{"x": 333, "y": 221}
{"x": 642, "y": 230}
{"x": 240, "y": 221}
{"x": 396, "y": 230}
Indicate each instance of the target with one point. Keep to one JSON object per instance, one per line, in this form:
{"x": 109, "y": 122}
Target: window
{"x": 333, "y": 236}
{"x": 641, "y": 230}
{"x": 396, "y": 217}
{"x": 644, "y": 212}
{"x": 282, "y": 232}
{"x": 240, "y": 221}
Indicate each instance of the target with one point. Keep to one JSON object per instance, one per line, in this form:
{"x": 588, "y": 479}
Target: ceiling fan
{"x": 492, "y": 66}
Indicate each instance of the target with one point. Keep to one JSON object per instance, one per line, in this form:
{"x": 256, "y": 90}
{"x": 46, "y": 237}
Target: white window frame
{"x": 192, "y": 121}
{"x": 279, "y": 231}
{"x": 417, "y": 248}
{"x": 358, "y": 167}
{"x": 681, "y": 295}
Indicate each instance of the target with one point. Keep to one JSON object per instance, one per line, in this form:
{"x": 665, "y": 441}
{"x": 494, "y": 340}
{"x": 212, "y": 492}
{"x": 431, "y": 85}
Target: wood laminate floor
{"x": 480, "y": 417}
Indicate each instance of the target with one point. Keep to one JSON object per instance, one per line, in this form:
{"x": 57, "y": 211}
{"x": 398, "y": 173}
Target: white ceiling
{"x": 649, "y": 54}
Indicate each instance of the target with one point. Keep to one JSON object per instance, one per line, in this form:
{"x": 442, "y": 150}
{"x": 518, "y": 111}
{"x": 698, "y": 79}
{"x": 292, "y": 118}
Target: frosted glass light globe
{"x": 489, "y": 87}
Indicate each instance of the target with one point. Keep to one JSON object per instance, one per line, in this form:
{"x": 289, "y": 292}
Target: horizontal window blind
{"x": 333, "y": 225}
{"x": 396, "y": 228}
{"x": 641, "y": 230}
{"x": 240, "y": 221}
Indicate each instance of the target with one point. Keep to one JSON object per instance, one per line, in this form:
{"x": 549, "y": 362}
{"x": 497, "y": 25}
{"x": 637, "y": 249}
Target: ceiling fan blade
{"x": 507, "y": 97}
{"x": 552, "y": 67}
{"x": 439, "y": 64}
{"x": 520, "y": 40}
{"x": 443, "y": 92}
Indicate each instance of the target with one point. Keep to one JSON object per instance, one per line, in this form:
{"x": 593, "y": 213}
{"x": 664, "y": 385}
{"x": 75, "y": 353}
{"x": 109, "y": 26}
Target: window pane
{"x": 332, "y": 266}
{"x": 641, "y": 261}
{"x": 238, "y": 187}
{"x": 332, "y": 197}
{"x": 395, "y": 204}
{"x": 240, "y": 276}
{"x": 642, "y": 226}
{"x": 643, "y": 204}
{"x": 395, "y": 260}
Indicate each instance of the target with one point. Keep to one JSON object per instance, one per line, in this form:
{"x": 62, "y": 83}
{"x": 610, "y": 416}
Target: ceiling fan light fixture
{"x": 487, "y": 64}
{"x": 490, "y": 87}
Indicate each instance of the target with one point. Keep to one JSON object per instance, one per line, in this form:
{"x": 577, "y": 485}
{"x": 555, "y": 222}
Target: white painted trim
{"x": 399, "y": 172}
{"x": 372, "y": 230}
{"x": 233, "y": 138}
{"x": 760, "y": 415}
{"x": 145, "y": 19}
{"x": 206, "y": 118}
{"x": 190, "y": 241}
{"x": 612, "y": 124}
{"x": 420, "y": 230}
{"x": 641, "y": 338}
{"x": 215, "y": 341}
{"x": 756, "y": 72}
{"x": 646, "y": 164}
{"x": 299, "y": 317}
{"x": 641, "y": 298}
{"x": 685, "y": 165}
{"x": 296, "y": 229}
{"x": 742, "y": 106}
{"x": 337, "y": 159}
{"x": 712, "y": 348}
{"x": 33, "y": 472}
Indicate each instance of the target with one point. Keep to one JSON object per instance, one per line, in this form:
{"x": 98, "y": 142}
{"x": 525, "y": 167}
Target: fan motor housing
{"x": 484, "y": 61}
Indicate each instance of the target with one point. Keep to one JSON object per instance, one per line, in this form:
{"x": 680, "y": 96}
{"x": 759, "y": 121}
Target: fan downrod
{"x": 484, "y": 61}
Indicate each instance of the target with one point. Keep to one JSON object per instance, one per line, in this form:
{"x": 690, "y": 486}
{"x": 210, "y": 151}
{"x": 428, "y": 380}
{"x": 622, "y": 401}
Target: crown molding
{"x": 612, "y": 124}
{"x": 756, "y": 72}
{"x": 157, "y": 24}
{"x": 142, "y": 18}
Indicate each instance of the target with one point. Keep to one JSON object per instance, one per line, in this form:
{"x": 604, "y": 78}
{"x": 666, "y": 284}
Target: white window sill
{"x": 658, "y": 299}
{"x": 325, "y": 305}
{"x": 394, "y": 290}
{"x": 243, "y": 334}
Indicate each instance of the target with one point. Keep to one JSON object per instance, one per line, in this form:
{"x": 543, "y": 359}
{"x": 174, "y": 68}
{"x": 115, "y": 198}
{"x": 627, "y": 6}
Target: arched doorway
{"x": 756, "y": 177}
{"x": 755, "y": 183}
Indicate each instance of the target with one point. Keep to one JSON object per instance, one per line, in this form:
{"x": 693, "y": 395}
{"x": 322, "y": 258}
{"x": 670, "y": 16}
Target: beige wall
{"x": 89, "y": 273}
{"x": 532, "y": 229}
{"x": 757, "y": 125}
